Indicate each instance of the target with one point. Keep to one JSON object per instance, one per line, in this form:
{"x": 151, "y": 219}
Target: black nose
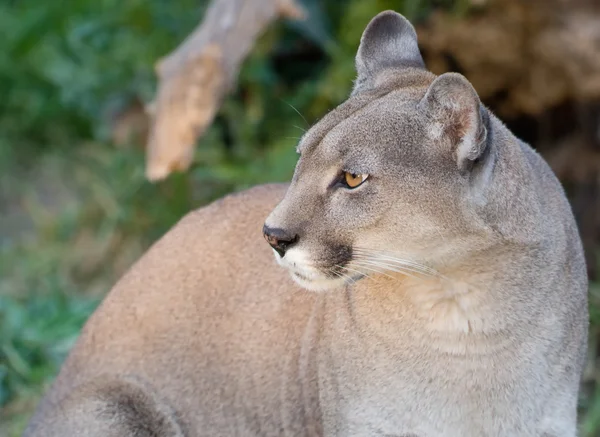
{"x": 279, "y": 239}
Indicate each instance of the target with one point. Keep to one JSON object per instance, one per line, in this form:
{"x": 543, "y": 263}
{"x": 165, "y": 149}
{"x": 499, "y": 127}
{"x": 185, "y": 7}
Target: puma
{"x": 431, "y": 284}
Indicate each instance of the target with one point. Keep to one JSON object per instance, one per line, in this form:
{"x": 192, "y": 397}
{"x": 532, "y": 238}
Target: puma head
{"x": 401, "y": 171}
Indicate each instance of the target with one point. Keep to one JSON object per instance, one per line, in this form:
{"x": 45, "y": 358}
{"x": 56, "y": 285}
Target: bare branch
{"x": 194, "y": 78}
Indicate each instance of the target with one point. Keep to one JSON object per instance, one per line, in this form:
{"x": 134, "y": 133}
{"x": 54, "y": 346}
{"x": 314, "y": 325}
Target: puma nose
{"x": 279, "y": 239}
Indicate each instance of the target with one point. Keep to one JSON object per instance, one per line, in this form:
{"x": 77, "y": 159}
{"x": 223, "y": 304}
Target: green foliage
{"x": 76, "y": 211}
{"x": 37, "y": 333}
{"x": 61, "y": 61}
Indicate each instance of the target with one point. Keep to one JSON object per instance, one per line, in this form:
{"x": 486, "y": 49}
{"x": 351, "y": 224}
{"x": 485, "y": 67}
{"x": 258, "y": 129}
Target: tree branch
{"x": 194, "y": 78}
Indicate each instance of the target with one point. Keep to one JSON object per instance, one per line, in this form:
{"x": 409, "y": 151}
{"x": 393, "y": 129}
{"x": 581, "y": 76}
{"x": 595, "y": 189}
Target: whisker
{"x": 397, "y": 267}
{"x": 298, "y": 112}
{"x": 359, "y": 272}
{"x": 403, "y": 267}
{"x": 392, "y": 258}
{"x": 404, "y": 262}
{"x": 394, "y": 268}
{"x": 298, "y": 127}
{"x": 340, "y": 274}
{"x": 373, "y": 270}
{"x": 348, "y": 278}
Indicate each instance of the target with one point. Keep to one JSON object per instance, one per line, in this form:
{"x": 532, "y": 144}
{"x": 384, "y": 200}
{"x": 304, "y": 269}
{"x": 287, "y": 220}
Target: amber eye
{"x": 354, "y": 180}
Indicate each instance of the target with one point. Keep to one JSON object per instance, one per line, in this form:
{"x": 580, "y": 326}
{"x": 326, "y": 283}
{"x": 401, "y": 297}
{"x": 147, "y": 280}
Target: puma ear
{"x": 455, "y": 112}
{"x": 388, "y": 41}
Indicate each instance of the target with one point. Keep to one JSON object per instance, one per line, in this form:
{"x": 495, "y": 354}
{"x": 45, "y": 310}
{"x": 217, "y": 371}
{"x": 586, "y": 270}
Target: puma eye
{"x": 353, "y": 180}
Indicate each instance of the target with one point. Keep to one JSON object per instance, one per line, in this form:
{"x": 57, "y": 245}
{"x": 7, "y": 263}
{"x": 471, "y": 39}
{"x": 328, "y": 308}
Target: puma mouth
{"x": 323, "y": 282}
{"x": 315, "y": 278}
{"x": 318, "y": 284}
{"x": 301, "y": 276}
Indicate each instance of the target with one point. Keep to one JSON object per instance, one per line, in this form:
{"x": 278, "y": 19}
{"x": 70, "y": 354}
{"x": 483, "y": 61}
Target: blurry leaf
{"x": 590, "y": 426}
{"x": 316, "y": 26}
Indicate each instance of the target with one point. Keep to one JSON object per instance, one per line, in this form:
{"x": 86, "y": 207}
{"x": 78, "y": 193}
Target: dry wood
{"x": 194, "y": 78}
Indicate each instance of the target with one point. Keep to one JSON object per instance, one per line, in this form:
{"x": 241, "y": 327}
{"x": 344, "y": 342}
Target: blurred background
{"x": 76, "y": 209}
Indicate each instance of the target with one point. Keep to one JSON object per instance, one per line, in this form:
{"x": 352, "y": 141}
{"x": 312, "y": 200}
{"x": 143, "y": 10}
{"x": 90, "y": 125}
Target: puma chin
{"x": 315, "y": 278}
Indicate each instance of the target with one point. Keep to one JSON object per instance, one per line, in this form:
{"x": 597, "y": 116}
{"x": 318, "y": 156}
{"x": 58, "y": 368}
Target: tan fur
{"x": 452, "y": 295}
